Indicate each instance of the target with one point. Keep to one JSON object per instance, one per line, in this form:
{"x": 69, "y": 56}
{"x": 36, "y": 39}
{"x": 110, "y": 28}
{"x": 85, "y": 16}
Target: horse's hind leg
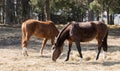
{"x": 105, "y": 46}
{"x": 68, "y": 54}
{"x": 43, "y": 45}
{"x": 25, "y": 43}
{"x": 79, "y": 49}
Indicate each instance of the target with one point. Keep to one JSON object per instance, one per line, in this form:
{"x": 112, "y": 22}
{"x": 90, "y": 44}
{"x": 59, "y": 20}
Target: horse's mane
{"x": 63, "y": 30}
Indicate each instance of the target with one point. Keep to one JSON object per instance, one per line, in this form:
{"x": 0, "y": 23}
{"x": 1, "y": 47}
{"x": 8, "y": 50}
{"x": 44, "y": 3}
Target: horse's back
{"x": 40, "y": 28}
{"x": 29, "y": 25}
{"x": 86, "y": 31}
{"x": 48, "y": 28}
{"x": 100, "y": 26}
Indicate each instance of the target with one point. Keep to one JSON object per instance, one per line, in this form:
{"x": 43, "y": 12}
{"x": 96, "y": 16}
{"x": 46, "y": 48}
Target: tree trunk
{"x": 102, "y": 10}
{"x": 2, "y": 12}
{"x": 108, "y": 16}
{"x": 47, "y": 10}
{"x": 41, "y": 15}
{"x": 90, "y": 12}
{"x": 25, "y": 9}
{"x": 98, "y": 18}
{"x": 111, "y": 20}
{"x": 18, "y": 11}
{"x": 9, "y": 12}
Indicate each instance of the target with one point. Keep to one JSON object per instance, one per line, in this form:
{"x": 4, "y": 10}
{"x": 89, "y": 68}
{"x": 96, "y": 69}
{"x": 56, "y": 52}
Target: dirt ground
{"x": 11, "y": 58}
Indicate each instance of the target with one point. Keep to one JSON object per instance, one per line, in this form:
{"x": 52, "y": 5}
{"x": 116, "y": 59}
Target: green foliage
{"x": 115, "y": 7}
{"x": 37, "y": 5}
{"x": 95, "y": 6}
{"x": 71, "y": 9}
{"x": 65, "y": 10}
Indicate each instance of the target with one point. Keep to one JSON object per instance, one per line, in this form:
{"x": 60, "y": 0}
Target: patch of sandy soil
{"x": 11, "y": 58}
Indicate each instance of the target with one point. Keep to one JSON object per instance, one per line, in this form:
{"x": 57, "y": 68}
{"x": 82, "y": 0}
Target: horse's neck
{"x": 62, "y": 38}
{"x": 63, "y": 35}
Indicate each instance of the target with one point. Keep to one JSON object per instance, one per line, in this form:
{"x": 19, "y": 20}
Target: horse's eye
{"x": 53, "y": 47}
{"x": 55, "y": 44}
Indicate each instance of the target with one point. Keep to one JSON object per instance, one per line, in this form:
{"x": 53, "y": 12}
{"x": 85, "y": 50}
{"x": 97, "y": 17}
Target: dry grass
{"x": 12, "y": 60}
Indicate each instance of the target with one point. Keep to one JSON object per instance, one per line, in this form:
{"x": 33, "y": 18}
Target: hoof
{"x": 54, "y": 60}
{"x": 66, "y": 60}
{"x": 24, "y": 52}
{"x": 80, "y": 60}
{"x": 104, "y": 55}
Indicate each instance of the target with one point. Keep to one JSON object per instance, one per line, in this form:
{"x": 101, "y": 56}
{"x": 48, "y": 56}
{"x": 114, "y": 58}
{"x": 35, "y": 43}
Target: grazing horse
{"x": 40, "y": 29}
{"x": 81, "y": 32}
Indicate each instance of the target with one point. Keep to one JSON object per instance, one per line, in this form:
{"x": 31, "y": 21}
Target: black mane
{"x": 61, "y": 32}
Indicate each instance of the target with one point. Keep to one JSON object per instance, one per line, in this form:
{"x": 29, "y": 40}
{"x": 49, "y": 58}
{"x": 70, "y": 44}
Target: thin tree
{"x": 9, "y": 11}
{"x": 47, "y": 10}
{"x": 90, "y": 12}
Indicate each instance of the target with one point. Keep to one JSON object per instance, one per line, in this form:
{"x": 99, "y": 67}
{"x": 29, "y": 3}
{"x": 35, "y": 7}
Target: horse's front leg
{"x": 79, "y": 50}
{"x": 52, "y": 41}
{"x": 68, "y": 53}
{"x": 43, "y": 45}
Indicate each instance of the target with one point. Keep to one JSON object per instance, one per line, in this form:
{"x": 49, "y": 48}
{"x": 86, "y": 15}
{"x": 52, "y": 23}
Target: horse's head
{"x": 57, "y": 51}
{"x": 58, "y": 46}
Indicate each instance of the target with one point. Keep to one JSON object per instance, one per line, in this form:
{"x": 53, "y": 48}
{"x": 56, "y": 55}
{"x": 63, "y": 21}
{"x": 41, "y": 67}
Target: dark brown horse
{"x": 81, "y": 32}
{"x": 40, "y": 29}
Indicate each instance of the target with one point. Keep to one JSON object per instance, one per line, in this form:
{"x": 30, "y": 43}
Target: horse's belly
{"x": 88, "y": 37}
{"x": 85, "y": 39}
{"x": 40, "y": 34}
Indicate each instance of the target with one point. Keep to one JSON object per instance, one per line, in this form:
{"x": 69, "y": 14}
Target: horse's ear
{"x": 68, "y": 22}
{"x": 55, "y": 44}
{"x": 52, "y": 22}
{"x": 53, "y": 47}
{"x": 74, "y": 22}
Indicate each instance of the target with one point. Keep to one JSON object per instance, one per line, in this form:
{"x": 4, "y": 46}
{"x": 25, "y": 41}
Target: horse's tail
{"x": 23, "y": 34}
{"x": 104, "y": 43}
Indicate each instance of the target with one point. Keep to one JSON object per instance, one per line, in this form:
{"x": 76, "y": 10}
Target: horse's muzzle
{"x": 54, "y": 60}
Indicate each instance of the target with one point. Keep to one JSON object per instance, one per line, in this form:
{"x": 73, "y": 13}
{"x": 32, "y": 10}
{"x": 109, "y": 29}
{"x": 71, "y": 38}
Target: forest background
{"x": 59, "y": 11}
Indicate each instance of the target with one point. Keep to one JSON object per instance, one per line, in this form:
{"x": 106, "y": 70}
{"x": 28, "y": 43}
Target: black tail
{"x": 104, "y": 43}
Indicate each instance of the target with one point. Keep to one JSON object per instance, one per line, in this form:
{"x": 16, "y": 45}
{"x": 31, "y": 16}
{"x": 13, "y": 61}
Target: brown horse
{"x": 81, "y": 32}
{"x": 40, "y": 29}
